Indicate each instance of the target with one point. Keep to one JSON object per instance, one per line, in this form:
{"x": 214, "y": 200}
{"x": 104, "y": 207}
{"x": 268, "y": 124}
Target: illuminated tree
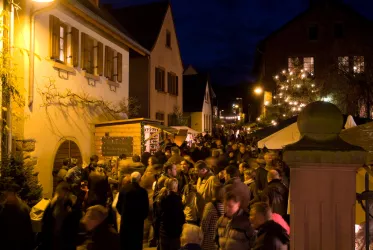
{"x": 295, "y": 88}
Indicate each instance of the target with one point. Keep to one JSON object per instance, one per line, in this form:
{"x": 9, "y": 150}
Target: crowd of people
{"x": 212, "y": 195}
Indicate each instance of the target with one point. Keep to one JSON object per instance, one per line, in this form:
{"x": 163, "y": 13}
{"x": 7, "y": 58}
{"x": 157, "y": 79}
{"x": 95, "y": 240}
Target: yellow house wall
{"x": 196, "y": 121}
{"x": 55, "y": 124}
{"x": 170, "y": 60}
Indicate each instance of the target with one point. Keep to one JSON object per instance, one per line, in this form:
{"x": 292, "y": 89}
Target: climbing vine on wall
{"x": 52, "y": 96}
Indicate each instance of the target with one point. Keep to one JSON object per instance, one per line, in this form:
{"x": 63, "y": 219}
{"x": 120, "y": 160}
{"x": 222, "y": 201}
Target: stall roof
{"x": 190, "y": 130}
{"x": 150, "y": 122}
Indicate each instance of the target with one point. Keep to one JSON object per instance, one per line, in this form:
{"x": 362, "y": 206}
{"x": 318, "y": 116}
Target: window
{"x": 313, "y": 32}
{"x": 291, "y": 63}
{"x": 168, "y": 39}
{"x": 63, "y": 43}
{"x": 113, "y": 64}
{"x": 159, "y": 79}
{"x": 309, "y": 64}
{"x": 88, "y": 54}
{"x": 173, "y": 83}
{"x": 358, "y": 64}
{"x": 172, "y": 120}
{"x": 343, "y": 64}
{"x": 338, "y": 30}
{"x": 159, "y": 116}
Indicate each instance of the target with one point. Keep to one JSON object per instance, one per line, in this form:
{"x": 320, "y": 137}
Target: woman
{"x": 169, "y": 215}
{"x": 213, "y": 210}
{"x": 190, "y": 205}
{"x": 234, "y": 227}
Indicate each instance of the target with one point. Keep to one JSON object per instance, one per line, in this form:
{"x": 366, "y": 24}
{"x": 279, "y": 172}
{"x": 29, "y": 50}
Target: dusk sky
{"x": 221, "y": 35}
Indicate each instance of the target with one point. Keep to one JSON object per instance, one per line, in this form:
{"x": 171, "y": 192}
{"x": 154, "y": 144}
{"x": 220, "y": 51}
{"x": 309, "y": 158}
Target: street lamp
{"x": 258, "y": 90}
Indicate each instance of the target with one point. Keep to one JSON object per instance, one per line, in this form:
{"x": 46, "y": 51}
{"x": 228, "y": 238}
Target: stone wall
{"x": 25, "y": 149}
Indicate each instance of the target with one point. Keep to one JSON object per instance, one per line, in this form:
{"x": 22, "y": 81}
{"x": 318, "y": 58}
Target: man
{"x": 175, "y": 156}
{"x": 91, "y": 167}
{"x": 277, "y": 193}
{"x": 133, "y": 206}
{"x": 74, "y": 175}
{"x": 15, "y": 223}
{"x": 169, "y": 171}
{"x": 270, "y": 236}
{"x": 231, "y": 175}
{"x": 183, "y": 177}
{"x": 98, "y": 188}
{"x": 261, "y": 174}
{"x": 242, "y": 155}
{"x": 205, "y": 185}
{"x": 103, "y": 236}
{"x": 63, "y": 171}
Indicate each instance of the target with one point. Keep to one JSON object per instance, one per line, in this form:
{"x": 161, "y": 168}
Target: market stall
{"x": 129, "y": 137}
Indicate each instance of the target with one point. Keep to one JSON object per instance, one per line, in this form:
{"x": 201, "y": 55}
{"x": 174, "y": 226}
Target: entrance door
{"x": 68, "y": 149}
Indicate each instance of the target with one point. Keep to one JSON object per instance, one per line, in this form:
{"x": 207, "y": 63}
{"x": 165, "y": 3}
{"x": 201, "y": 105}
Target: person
{"x": 74, "y": 174}
{"x": 98, "y": 188}
{"x": 242, "y": 155}
{"x": 136, "y": 165}
{"x": 205, "y": 185}
{"x": 169, "y": 215}
{"x": 189, "y": 199}
{"x": 91, "y": 167}
{"x": 242, "y": 168}
{"x": 211, "y": 213}
{"x": 63, "y": 171}
{"x": 15, "y": 223}
{"x": 60, "y": 221}
{"x": 261, "y": 174}
{"x": 103, "y": 236}
{"x": 231, "y": 175}
{"x": 234, "y": 231}
{"x": 277, "y": 193}
{"x": 133, "y": 206}
{"x": 249, "y": 176}
{"x": 191, "y": 237}
{"x": 270, "y": 235}
{"x": 183, "y": 176}
{"x": 175, "y": 158}
{"x": 169, "y": 171}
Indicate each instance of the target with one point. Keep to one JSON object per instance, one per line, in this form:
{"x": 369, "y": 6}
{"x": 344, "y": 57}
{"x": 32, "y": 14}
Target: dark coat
{"x": 271, "y": 236}
{"x": 98, "y": 186}
{"x": 104, "y": 237}
{"x": 235, "y": 233}
{"x": 261, "y": 178}
{"x": 15, "y": 227}
{"x": 170, "y": 215}
{"x": 243, "y": 157}
{"x": 278, "y": 197}
{"x": 60, "y": 226}
{"x": 133, "y": 206}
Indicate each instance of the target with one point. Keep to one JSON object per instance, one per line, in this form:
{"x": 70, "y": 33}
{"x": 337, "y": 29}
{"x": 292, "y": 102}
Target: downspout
{"x": 32, "y": 51}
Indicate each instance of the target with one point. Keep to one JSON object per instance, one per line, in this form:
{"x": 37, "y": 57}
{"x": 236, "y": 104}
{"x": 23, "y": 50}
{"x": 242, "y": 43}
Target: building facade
{"x": 77, "y": 71}
{"x": 327, "y": 35}
{"x": 155, "y": 80}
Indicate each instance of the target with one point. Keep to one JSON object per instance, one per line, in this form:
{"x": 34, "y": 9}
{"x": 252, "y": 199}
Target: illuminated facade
{"x": 74, "y": 53}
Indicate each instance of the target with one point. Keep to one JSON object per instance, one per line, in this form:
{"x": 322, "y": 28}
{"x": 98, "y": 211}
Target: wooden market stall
{"x": 131, "y": 136}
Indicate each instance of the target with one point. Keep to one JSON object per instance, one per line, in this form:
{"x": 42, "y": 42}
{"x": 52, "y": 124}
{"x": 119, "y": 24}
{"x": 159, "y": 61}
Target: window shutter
{"x": 163, "y": 73}
{"x": 106, "y": 74}
{"x": 119, "y": 67}
{"x": 100, "y": 58}
{"x": 75, "y": 46}
{"x": 177, "y": 85}
{"x": 84, "y": 51}
{"x": 54, "y": 30}
{"x": 169, "y": 83}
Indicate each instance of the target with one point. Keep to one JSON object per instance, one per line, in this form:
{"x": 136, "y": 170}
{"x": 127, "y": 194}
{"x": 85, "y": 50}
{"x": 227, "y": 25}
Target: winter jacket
{"x": 190, "y": 203}
{"x": 271, "y": 236}
{"x": 170, "y": 215}
{"x": 261, "y": 178}
{"x": 98, "y": 186}
{"x": 212, "y": 212}
{"x": 278, "y": 219}
{"x": 103, "y": 237}
{"x": 278, "y": 197}
{"x": 205, "y": 190}
{"x": 235, "y": 233}
{"x": 191, "y": 247}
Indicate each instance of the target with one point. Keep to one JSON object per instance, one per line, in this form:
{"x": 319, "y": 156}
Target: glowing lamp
{"x": 258, "y": 90}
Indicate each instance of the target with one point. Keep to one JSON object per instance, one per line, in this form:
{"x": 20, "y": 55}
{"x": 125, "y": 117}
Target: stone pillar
{"x": 323, "y": 175}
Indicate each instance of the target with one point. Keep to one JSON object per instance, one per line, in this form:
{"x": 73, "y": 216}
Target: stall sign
{"x": 152, "y": 144}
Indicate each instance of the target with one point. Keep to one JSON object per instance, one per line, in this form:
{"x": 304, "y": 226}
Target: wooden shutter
{"x": 106, "y": 62}
{"x": 119, "y": 67}
{"x": 169, "y": 83}
{"x": 83, "y": 55}
{"x": 163, "y": 74}
{"x": 75, "y": 46}
{"x": 54, "y": 30}
{"x": 177, "y": 85}
{"x": 100, "y": 58}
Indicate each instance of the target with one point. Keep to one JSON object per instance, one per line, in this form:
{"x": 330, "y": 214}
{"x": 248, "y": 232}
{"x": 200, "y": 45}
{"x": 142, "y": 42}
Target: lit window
{"x": 358, "y": 64}
{"x": 343, "y": 63}
{"x": 62, "y": 43}
{"x": 291, "y": 63}
{"x": 309, "y": 64}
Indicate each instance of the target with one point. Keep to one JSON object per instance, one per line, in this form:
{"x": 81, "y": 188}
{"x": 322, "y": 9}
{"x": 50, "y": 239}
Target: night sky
{"x": 220, "y": 36}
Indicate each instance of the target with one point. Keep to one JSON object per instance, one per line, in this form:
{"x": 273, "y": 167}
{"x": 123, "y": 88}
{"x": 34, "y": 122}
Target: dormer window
{"x": 168, "y": 39}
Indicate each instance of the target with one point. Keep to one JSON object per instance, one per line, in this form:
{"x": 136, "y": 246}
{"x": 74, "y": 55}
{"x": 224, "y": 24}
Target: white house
{"x": 78, "y": 63}
{"x": 198, "y": 100}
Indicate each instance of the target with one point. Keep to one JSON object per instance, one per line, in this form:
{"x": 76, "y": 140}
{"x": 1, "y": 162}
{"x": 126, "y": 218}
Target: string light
{"x": 284, "y": 71}
{"x": 276, "y": 77}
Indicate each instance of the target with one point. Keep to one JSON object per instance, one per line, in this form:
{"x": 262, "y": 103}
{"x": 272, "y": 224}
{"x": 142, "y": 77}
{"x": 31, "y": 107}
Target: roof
{"x": 143, "y": 22}
{"x": 104, "y": 21}
{"x": 194, "y": 89}
{"x": 267, "y": 131}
